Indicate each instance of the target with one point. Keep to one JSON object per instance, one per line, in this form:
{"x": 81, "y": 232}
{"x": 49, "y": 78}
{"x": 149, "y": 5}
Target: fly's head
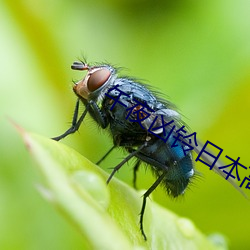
{"x": 96, "y": 79}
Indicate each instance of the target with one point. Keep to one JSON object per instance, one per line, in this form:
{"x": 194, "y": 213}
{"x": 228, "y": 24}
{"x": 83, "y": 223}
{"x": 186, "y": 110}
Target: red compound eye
{"x": 97, "y": 79}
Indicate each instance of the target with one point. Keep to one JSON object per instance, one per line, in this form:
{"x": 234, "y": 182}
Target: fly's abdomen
{"x": 177, "y": 166}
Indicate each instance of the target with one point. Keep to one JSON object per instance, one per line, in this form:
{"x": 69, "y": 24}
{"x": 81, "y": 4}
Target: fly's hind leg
{"x": 145, "y": 196}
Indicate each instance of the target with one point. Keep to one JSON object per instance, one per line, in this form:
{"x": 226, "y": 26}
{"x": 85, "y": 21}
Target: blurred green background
{"x": 195, "y": 52}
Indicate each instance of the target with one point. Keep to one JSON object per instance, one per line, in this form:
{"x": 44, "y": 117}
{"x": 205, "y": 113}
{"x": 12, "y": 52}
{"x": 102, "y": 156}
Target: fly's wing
{"x": 216, "y": 169}
{"x": 170, "y": 114}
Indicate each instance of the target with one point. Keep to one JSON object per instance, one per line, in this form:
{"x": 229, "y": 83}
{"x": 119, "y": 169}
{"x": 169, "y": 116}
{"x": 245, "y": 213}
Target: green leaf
{"x": 107, "y": 215}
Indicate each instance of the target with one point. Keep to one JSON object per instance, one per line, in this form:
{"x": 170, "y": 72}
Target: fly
{"x": 139, "y": 121}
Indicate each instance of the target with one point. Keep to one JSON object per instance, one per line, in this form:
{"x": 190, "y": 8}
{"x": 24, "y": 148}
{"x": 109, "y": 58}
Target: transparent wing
{"x": 216, "y": 169}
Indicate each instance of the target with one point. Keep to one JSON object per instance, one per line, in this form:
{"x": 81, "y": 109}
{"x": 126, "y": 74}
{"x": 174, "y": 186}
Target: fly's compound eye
{"x": 97, "y": 79}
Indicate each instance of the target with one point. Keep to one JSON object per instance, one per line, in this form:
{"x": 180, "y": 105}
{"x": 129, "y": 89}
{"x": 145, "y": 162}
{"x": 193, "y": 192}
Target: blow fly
{"x": 148, "y": 127}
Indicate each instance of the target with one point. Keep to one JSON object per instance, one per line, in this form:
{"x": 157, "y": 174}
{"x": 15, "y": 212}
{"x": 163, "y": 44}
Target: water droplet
{"x": 94, "y": 185}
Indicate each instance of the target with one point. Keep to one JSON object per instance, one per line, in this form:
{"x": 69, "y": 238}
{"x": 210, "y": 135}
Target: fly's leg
{"x": 97, "y": 114}
{"x": 105, "y": 155}
{"x": 136, "y": 167}
{"x": 145, "y": 196}
{"x": 91, "y": 107}
{"x": 124, "y": 161}
{"x": 75, "y": 124}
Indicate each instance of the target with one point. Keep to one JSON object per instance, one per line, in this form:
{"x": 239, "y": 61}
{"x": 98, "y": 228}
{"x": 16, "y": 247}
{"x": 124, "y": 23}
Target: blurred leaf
{"x": 106, "y": 216}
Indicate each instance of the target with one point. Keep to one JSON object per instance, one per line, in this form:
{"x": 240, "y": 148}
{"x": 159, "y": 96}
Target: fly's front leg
{"x": 93, "y": 109}
{"x": 75, "y": 123}
{"x": 97, "y": 114}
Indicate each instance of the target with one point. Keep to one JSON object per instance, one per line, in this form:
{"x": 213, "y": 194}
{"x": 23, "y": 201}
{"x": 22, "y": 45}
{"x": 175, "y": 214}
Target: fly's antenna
{"x": 80, "y": 66}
